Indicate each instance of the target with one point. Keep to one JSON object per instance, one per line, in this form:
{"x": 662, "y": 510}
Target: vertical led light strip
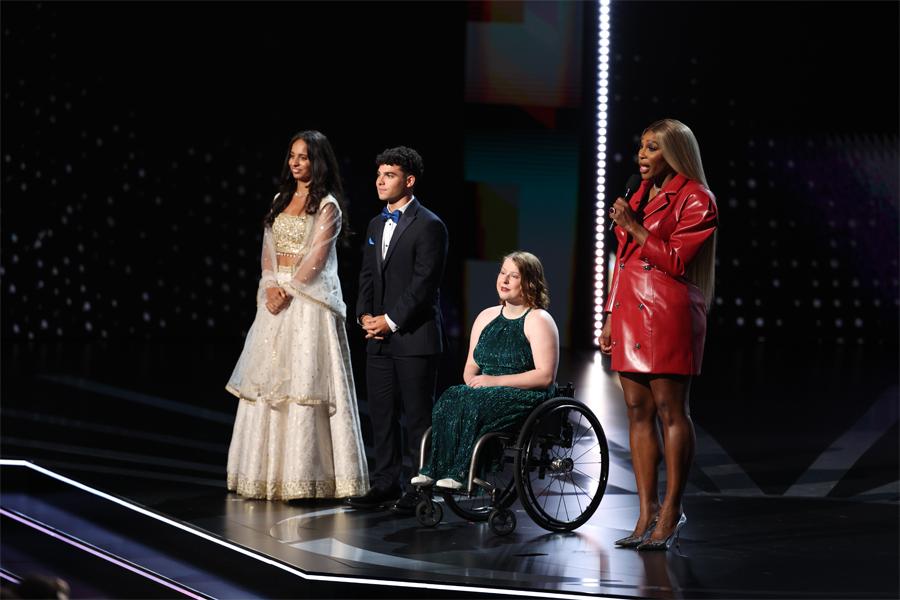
{"x": 600, "y": 206}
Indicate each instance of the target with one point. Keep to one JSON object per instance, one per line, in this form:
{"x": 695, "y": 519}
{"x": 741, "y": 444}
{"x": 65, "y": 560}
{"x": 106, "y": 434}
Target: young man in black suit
{"x": 399, "y": 309}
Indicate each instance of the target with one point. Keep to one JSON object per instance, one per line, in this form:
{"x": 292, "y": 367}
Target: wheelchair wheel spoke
{"x": 562, "y": 496}
{"x": 586, "y": 475}
{"x": 587, "y": 429}
{"x": 583, "y": 490}
{"x": 559, "y": 504}
{"x": 578, "y": 492}
{"x": 596, "y": 445}
{"x": 546, "y": 498}
{"x": 577, "y": 425}
{"x": 575, "y": 495}
{"x": 546, "y": 487}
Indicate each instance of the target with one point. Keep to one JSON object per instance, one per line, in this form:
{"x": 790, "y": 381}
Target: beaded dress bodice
{"x": 502, "y": 347}
{"x": 291, "y": 232}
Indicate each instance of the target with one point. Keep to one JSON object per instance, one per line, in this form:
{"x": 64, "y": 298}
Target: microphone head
{"x": 634, "y": 182}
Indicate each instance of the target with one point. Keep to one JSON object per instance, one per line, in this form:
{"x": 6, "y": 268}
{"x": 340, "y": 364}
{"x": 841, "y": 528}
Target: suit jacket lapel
{"x": 379, "y": 240}
{"x": 409, "y": 215}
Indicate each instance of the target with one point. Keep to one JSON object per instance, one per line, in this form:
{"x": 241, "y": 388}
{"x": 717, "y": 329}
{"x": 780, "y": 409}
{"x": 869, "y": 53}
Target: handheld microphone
{"x": 634, "y": 182}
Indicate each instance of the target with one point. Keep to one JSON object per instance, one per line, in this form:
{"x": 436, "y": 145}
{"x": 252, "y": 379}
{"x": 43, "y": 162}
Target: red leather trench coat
{"x": 659, "y": 317}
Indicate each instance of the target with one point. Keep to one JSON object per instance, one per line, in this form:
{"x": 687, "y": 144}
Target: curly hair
{"x": 405, "y": 158}
{"x": 534, "y": 284}
{"x": 326, "y": 178}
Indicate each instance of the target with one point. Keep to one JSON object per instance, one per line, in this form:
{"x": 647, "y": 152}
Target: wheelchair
{"x": 557, "y": 465}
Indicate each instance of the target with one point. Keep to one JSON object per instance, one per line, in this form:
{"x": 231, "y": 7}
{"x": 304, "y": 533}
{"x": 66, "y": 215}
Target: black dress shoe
{"x": 406, "y": 505}
{"x": 375, "y": 497}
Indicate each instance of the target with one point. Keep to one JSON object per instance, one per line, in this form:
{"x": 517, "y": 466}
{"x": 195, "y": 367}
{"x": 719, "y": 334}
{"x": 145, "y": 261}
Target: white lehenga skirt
{"x": 296, "y": 434}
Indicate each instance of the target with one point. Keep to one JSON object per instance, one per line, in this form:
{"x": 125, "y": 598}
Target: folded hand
{"x": 277, "y": 300}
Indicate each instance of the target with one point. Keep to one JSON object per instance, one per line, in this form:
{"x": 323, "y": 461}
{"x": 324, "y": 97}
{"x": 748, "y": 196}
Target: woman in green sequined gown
{"x": 511, "y": 367}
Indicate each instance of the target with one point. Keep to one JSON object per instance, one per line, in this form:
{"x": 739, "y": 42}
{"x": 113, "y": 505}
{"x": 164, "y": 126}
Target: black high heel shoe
{"x": 666, "y": 543}
{"x": 633, "y": 541}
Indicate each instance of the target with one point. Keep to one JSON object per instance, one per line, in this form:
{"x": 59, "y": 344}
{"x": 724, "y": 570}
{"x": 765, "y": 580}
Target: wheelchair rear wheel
{"x": 563, "y": 464}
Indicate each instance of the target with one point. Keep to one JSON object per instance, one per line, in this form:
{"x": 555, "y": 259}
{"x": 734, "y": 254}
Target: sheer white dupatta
{"x": 314, "y": 274}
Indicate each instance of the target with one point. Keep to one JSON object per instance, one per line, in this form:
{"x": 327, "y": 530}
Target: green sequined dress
{"x": 463, "y": 414}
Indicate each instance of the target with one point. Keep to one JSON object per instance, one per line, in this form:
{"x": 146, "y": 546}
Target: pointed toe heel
{"x": 664, "y": 544}
{"x": 633, "y": 541}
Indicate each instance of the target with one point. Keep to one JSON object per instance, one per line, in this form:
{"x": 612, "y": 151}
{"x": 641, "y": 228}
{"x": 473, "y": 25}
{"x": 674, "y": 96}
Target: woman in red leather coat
{"x": 656, "y": 317}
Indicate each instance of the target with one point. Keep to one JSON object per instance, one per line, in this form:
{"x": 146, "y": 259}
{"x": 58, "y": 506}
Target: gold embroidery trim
{"x": 286, "y": 490}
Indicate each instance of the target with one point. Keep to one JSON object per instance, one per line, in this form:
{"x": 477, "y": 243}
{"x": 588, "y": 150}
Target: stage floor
{"x": 806, "y": 507}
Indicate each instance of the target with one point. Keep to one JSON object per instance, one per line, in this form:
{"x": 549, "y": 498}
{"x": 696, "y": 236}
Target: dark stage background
{"x": 141, "y": 141}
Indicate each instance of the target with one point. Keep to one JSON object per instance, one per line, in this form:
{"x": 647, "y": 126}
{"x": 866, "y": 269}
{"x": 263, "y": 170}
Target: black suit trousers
{"x": 399, "y": 385}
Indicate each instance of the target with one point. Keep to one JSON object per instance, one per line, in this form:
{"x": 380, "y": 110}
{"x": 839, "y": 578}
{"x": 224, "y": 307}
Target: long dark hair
{"x": 325, "y": 178}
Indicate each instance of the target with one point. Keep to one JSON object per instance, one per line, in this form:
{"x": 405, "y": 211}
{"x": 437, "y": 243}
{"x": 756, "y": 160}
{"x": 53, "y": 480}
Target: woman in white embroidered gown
{"x": 296, "y": 434}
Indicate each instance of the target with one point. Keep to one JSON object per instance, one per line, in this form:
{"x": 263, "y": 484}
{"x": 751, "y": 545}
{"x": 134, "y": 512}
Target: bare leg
{"x": 670, "y": 394}
{"x": 644, "y": 439}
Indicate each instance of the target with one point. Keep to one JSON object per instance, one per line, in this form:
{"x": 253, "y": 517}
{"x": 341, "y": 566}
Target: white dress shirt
{"x": 389, "y": 227}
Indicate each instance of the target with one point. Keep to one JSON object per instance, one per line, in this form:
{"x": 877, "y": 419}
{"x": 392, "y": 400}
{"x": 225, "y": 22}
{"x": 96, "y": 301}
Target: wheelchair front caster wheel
{"x": 429, "y": 513}
{"x": 502, "y": 521}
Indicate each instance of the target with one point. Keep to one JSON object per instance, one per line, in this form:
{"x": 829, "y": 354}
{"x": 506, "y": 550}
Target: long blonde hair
{"x": 682, "y": 152}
